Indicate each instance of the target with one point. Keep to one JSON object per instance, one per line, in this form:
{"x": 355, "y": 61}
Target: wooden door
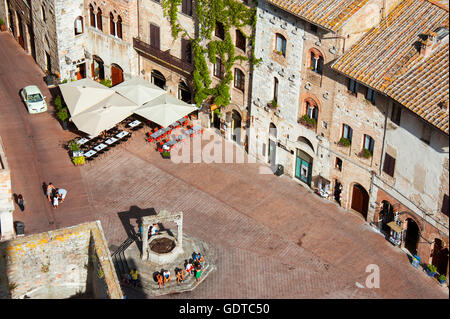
{"x": 116, "y": 75}
{"x": 154, "y": 36}
{"x": 357, "y": 199}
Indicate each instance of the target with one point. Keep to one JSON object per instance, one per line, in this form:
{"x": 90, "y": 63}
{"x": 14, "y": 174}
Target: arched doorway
{"x": 184, "y": 94}
{"x": 303, "y": 167}
{"x": 236, "y": 123}
{"x": 97, "y": 68}
{"x": 116, "y": 74}
{"x": 412, "y": 236}
{"x": 386, "y": 215}
{"x": 158, "y": 79}
{"x": 360, "y": 200}
{"x": 303, "y": 140}
{"x": 272, "y": 144}
{"x": 440, "y": 256}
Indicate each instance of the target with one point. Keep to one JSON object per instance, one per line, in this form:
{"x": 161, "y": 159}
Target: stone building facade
{"x": 6, "y": 198}
{"x": 160, "y": 58}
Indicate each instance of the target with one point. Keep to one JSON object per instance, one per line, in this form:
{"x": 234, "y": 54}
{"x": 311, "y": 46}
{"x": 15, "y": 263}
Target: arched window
{"x": 312, "y": 110}
{"x": 119, "y": 27}
{"x": 275, "y": 89}
{"x": 368, "y": 143}
{"x": 280, "y": 44}
{"x": 239, "y": 79}
{"x": 78, "y": 25}
{"x": 92, "y": 16}
{"x": 219, "y": 31}
{"x": 112, "y": 25}
{"x": 316, "y": 61}
{"x": 347, "y": 132}
{"x": 240, "y": 40}
{"x": 99, "y": 19}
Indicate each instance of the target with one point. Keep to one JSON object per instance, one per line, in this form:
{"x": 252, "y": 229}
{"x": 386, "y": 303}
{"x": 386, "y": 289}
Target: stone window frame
{"x": 239, "y": 81}
{"x": 367, "y": 139}
{"x": 283, "y": 44}
{"x": 307, "y": 102}
{"x": 320, "y": 60}
{"x": 276, "y": 86}
{"x": 352, "y": 87}
{"x": 115, "y": 25}
{"x": 79, "y": 18}
{"x": 370, "y": 95}
{"x": 218, "y": 69}
{"x": 348, "y": 134}
{"x": 240, "y": 42}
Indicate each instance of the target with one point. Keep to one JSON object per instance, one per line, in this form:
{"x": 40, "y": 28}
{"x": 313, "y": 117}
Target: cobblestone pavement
{"x": 271, "y": 237}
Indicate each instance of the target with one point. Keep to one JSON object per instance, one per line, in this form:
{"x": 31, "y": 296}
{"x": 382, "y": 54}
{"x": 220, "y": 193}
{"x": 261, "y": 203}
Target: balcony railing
{"x": 163, "y": 58}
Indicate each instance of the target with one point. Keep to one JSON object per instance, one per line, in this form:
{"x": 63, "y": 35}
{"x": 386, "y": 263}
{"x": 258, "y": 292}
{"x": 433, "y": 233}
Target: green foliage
{"x": 307, "y": 121}
{"x": 58, "y": 103}
{"x": 64, "y": 81}
{"x": 432, "y": 268}
{"x": 273, "y": 104}
{"x": 2, "y": 22}
{"x": 165, "y": 154}
{"x": 63, "y": 114}
{"x": 79, "y": 160}
{"x": 366, "y": 153}
{"x": 12, "y": 286}
{"x": 73, "y": 146}
{"x": 229, "y": 13}
{"x": 442, "y": 278}
{"x": 344, "y": 142}
{"x": 170, "y": 9}
{"x": 106, "y": 82}
{"x": 100, "y": 273}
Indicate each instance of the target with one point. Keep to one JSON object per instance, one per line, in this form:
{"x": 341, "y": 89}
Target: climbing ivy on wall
{"x": 230, "y": 14}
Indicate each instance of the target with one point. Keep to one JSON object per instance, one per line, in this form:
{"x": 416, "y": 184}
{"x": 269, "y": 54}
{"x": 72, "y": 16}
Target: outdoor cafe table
{"x": 167, "y": 145}
{"x": 134, "y": 123}
{"x": 196, "y": 128}
{"x": 89, "y": 153}
{"x": 111, "y": 140}
{"x": 157, "y": 133}
{"x": 121, "y": 134}
{"x": 182, "y": 120}
{"x": 82, "y": 141}
{"x": 100, "y": 146}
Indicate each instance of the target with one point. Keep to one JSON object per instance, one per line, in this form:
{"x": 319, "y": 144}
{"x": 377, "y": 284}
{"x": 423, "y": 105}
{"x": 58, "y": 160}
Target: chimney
{"x": 426, "y": 46}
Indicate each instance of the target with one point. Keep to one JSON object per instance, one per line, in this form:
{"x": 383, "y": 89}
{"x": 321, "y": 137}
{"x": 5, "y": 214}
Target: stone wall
{"x": 6, "y": 202}
{"x": 59, "y": 264}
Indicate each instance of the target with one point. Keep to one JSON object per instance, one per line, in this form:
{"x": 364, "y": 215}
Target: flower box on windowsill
{"x": 345, "y": 142}
{"x": 365, "y": 153}
{"x": 310, "y": 123}
{"x": 278, "y": 52}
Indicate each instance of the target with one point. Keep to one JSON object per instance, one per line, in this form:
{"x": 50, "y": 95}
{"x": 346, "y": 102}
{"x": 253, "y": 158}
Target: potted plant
{"x": 63, "y": 115}
{"x": 78, "y": 160}
{"x": 365, "y": 153}
{"x": 307, "y": 121}
{"x": 344, "y": 142}
{"x": 273, "y": 104}
{"x": 165, "y": 154}
{"x": 106, "y": 82}
{"x": 2, "y": 25}
{"x": 442, "y": 279}
{"x": 431, "y": 270}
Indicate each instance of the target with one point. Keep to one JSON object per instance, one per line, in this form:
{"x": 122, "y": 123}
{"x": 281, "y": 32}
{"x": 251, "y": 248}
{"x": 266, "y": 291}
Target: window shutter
{"x": 444, "y": 209}
{"x": 389, "y": 165}
{"x": 189, "y": 7}
{"x": 119, "y": 28}
{"x": 91, "y": 11}
{"x": 154, "y": 36}
{"x": 186, "y": 50}
{"x": 111, "y": 24}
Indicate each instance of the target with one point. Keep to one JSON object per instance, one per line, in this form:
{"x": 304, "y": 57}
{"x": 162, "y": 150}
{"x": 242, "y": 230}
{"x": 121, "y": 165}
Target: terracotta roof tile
{"x": 387, "y": 59}
{"x": 330, "y": 14}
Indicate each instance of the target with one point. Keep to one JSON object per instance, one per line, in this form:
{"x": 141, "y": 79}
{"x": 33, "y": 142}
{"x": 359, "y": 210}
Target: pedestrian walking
{"x": 198, "y": 271}
{"x": 21, "y": 202}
